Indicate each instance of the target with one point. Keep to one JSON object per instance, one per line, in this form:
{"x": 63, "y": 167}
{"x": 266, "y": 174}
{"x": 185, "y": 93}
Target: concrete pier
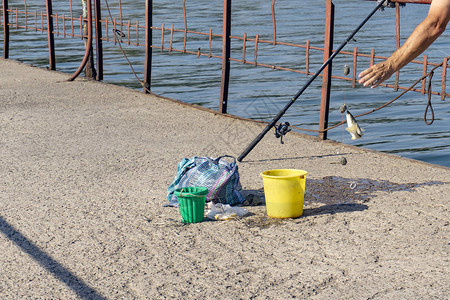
{"x": 84, "y": 173}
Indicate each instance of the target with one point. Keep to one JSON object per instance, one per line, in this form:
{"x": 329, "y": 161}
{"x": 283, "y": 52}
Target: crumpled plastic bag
{"x": 220, "y": 212}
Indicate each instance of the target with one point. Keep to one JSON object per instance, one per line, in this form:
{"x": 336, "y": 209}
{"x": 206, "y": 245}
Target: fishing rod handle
{"x": 263, "y": 133}
{"x": 254, "y": 143}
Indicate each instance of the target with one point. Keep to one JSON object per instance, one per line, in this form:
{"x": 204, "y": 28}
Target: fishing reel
{"x": 281, "y": 130}
{"x": 389, "y": 4}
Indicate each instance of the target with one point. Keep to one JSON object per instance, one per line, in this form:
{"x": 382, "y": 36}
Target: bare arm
{"x": 421, "y": 38}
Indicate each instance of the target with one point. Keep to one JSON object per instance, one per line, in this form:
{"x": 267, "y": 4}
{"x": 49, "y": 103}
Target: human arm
{"x": 421, "y": 38}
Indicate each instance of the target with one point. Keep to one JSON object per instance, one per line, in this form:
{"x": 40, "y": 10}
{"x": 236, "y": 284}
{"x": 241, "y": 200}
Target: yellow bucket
{"x": 284, "y": 190}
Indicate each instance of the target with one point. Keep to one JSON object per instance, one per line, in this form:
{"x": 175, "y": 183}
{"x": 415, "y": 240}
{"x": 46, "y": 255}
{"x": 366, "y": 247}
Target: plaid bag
{"x": 219, "y": 176}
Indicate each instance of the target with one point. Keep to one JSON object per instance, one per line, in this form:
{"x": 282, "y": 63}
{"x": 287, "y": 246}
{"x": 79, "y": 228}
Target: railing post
{"x": 225, "y": 56}
{"x": 148, "y": 45}
{"x": 51, "y": 38}
{"x": 397, "y": 25}
{"x": 424, "y": 72}
{"x": 89, "y": 70}
{"x": 98, "y": 37}
{"x": 5, "y": 30}
{"x": 444, "y": 78}
{"x": 355, "y": 64}
{"x": 326, "y": 79}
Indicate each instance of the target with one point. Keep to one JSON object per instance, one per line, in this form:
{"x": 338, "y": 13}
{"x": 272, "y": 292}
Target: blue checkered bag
{"x": 218, "y": 175}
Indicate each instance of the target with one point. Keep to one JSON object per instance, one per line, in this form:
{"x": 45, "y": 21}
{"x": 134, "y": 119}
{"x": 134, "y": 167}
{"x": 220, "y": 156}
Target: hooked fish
{"x": 353, "y": 127}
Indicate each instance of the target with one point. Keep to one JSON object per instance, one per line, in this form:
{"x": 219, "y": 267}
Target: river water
{"x": 259, "y": 93}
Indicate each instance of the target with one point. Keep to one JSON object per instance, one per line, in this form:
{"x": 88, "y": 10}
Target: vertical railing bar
{"x": 57, "y": 24}
{"x": 107, "y": 28}
{"x": 17, "y": 18}
{"x": 226, "y": 45}
{"x": 162, "y": 37}
{"x": 35, "y": 21}
{"x": 26, "y": 15}
{"x": 397, "y": 25}
{"x": 326, "y": 79}
{"x": 444, "y": 78}
{"x": 244, "y": 47}
{"x": 98, "y": 39}
{"x": 424, "y": 72}
{"x": 210, "y": 42}
{"x": 71, "y": 19}
{"x": 307, "y": 58}
{"x": 64, "y": 25}
{"x": 88, "y": 32}
{"x": 42, "y": 22}
{"x": 274, "y": 24}
{"x": 185, "y": 26}
{"x": 137, "y": 32}
{"x": 148, "y": 45}
{"x": 114, "y": 31}
{"x": 81, "y": 27}
{"x": 355, "y": 58}
{"x": 256, "y": 50}
{"x": 120, "y": 14}
{"x": 129, "y": 32}
{"x": 5, "y": 30}
{"x": 171, "y": 39}
{"x": 50, "y": 35}
{"x": 372, "y": 57}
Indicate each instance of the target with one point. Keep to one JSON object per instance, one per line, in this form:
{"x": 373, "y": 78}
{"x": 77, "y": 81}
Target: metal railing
{"x": 72, "y": 23}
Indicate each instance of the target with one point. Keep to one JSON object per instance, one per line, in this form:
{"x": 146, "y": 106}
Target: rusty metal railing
{"x": 69, "y": 23}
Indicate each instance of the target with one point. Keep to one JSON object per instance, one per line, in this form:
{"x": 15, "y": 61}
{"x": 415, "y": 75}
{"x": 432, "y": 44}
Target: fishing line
{"x": 341, "y": 109}
{"x": 275, "y": 121}
{"x": 117, "y": 33}
{"x": 429, "y": 106}
{"x": 308, "y": 83}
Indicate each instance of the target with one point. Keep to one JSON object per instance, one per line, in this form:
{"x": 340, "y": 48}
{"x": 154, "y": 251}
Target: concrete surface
{"x": 84, "y": 173}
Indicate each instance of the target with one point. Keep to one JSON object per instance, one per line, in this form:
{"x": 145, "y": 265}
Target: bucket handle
{"x": 224, "y": 156}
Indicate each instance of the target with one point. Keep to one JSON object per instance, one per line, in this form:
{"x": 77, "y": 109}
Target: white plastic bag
{"x": 222, "y": 212}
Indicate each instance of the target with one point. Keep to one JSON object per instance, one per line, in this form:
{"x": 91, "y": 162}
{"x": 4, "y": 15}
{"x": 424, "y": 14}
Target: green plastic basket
{"x": 191, "y": 201}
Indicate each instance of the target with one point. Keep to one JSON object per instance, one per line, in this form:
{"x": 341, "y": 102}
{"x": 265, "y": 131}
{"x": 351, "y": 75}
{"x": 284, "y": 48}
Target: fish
{"x": 353, "y": 127}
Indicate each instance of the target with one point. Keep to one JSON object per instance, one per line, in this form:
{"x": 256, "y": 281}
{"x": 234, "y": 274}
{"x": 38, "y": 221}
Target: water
{"x": 259, "y": 93}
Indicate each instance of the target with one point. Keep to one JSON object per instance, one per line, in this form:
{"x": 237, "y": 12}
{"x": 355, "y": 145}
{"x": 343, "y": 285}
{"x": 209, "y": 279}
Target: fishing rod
{"x": 326, "y": 63}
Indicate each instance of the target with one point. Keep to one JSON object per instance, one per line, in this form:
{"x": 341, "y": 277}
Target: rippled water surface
{"x": 259, "y": 93}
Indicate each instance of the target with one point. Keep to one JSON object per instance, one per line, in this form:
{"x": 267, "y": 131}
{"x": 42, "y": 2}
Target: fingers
{"x": 371, "y": 78}
{"x": 365, "y": 72}
{"x": 368, "y": 77}
{"x": 374, "y": 75}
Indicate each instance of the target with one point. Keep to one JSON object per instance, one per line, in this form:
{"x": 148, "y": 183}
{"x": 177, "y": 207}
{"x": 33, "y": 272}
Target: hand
{"x": 376, "y": 74}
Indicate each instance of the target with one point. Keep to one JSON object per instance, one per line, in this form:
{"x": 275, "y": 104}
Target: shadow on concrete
{"x": 338, "y": 194}
{"x": 83, "y": 290}
{"x": 333, "y": 209}
{"x": 335, "y": 190}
